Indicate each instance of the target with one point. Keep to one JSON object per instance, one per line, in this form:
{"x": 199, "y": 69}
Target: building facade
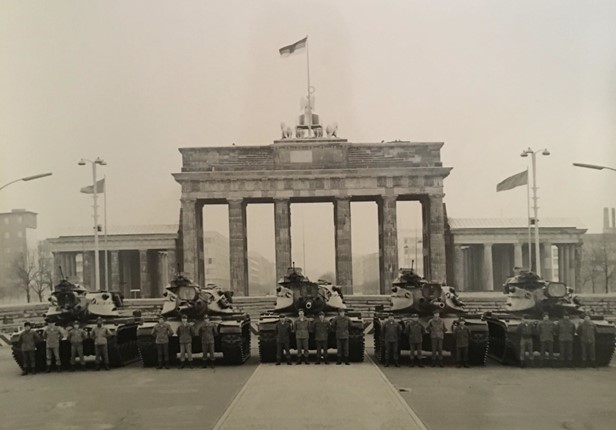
{"x": 17, "y": 241}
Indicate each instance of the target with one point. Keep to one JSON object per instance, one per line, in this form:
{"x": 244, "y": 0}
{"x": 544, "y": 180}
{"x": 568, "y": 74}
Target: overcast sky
{"x": 131, "y": 81}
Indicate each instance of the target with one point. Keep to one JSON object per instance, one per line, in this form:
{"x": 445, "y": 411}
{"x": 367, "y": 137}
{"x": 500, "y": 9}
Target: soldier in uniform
{"x": 76, "y": 336}
{"x": 207, "y": 332}
{"x": 185, "y": 335}
{"x": 321, "y": 335}
{"x": 390, "y": 333}
{"x": 52, "y": 336}
{"x": 27, "y": 341}
{"x": 301, "y": 327}
{"x": 436, "y": 328}
{"x": 566, "y": 331}
{"x": 283, "y": 339}
{"x": 341, "y": 325}
{"x": 415, "y": 332}
{"x": 100, "y": 335}
{"x": 462, "y": 335}
{"x": 162, "y": 331}
{"x": 586, "y": 331}
{"x": 525, "y": 331}
{"x": 546, "y": 331}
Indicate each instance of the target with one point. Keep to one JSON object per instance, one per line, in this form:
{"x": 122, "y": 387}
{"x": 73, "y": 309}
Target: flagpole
{"x": 308, "y": 76}
{"x": 530, "y": 263}
{"x": 97, "y": 272}
{"x": 105, "y": 233}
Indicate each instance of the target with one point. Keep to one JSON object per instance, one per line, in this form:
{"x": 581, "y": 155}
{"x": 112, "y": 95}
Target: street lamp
{"x": 533, "y": 155}
{"x": 593, "y": 166}
{"x": 27, "y": 178}
{"x": 100, "y": 162}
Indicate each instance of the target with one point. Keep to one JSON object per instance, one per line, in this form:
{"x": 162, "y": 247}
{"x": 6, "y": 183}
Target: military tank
{"x": 70, "y": 302}
{"x": 411, "y": 294}
{"x": 294, "y": 292}
{"x": 532, "y": 296}
{"x": 184, "y": 297}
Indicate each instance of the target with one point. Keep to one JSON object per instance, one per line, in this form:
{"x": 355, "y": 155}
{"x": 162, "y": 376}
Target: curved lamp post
{"x": 27, "y": 178}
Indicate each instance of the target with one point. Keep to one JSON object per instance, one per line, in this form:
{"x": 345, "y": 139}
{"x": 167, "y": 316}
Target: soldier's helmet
{"x": 321, "y": 313}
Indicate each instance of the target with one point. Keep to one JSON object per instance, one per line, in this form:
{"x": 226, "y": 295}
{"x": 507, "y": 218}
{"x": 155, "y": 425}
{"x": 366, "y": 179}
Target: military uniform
{"x": 185, "y": 335}
{"x": 301, "y": 327}
{"x": 586, "y": 332}
{"x": 53, "y": 335}
{"x": 462, "y": 335}
{"x": 342, "y": 327}
{"x": 546, "y": 330}
{"x": 415, "y": 332}
{"x": 566, "y": 331}
{"x": 76, "y": 336}
{"x": 390, "y": 332}
{"x": 28, "y": 341}
{"x": 100, "y": 335}
{"x": 161, "y": 332}
{"x": 207, "y": 332}
{"x": 283, "y": 339}
{"x": 525, "y": 330}
{"x": 436, "y": 327}
{"x": 321, "y": 335}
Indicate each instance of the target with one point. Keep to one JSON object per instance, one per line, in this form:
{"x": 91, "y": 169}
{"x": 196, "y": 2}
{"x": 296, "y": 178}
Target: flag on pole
{"x": 295, "y": 47}
{"x": 513, "y": 181}
{"x": 100, "y": 187}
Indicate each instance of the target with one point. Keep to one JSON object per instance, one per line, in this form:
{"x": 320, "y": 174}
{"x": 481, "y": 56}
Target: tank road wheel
{"x": 356, "y": 346}
{"x": 478, "y": 352}
{"x": 232, "y": 346}
{"x": 123, "y": 347}
{"x": 267, "y": 346}
{"x": 147, "y": 351}
{"x": 17, "y": 356}
{"x": 378, "y": 343}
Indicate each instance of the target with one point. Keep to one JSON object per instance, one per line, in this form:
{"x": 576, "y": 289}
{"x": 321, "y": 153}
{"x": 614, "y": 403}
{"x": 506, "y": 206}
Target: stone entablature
{"x": 313, "y": 154}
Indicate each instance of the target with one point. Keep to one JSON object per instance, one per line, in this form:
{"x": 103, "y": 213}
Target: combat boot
{"x": 160, "y": 366}
{"x": 318, "y": 360}
{"x": 412, "y": 362}
{"x": 59, "y": 368}
{"x": 48, "y": 370}
{"x": 212, "y": 364}
{"x": 466, "y": 365}
{"x": 397, "y": 363}
{"x": 278, "y": 363}
{"x": 182, "y": 365}
{"x": 24, "y": 372}
{"x": 594, "y": 364}
{"x": 459, "y": 365}
{"x": 387, "y": 364}
{"x": 522, "y": 364}
{"x": 440, "y": 363}
{"x": 419, "y": 363}
{"x": 98, "y": 366}
{"x": 338, "y": 362}
{"x": 347, "y": 361}
{"x": 299, "y": 360}
{"x": 289, "y": 362}
{"x": 190, "y": 365}
{"x": 204, "y": 364}
{"x": 107, "y": 367}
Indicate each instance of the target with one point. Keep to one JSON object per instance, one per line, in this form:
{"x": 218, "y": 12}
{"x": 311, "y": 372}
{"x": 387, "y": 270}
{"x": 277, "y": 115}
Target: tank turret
{"x": 184, "y": 297}
{"x": 295, "y": 291}
{"x": 410, "y": 292}
{"x": 528, "y": 293}
{"x": 70, "y": 302}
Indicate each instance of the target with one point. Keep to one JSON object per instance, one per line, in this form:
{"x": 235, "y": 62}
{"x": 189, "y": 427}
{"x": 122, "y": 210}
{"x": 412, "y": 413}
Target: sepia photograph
{"x": 308, "y": 214}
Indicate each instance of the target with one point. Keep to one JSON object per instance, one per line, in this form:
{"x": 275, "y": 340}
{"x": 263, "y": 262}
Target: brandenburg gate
{"x": 313, "y": 168}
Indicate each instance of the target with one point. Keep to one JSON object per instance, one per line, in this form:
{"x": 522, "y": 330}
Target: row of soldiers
{"x": 302, "y": 327}
{"x": 565, "y": 330}
{"x": 391, "y": 331}
{"x": 53, "y": 334}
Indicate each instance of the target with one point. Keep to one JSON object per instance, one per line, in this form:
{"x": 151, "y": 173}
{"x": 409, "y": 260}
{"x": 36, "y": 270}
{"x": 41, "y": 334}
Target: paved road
{"x": 126, "y": 398}
{"x": 133, "y": 398}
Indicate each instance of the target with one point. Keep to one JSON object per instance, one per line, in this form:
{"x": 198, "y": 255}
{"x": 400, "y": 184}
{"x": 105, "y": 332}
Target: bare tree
{"x": 25, "y": 270}
{"x": 43, "y": 279}
{"x": 599, "y": 263}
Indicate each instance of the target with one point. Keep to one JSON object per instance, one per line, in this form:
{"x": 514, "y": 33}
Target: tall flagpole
{"x": 530, "y": 246}
{"x": 105, "y": 234}
{"x": 308, "y": 76}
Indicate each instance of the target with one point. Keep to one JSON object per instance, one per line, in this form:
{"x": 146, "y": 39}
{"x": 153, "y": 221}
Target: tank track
{"x": 267, "y": 346}
{"x": 357, "y": 346}
{"x": 235, "y": 347}
{"x": 39, "y": 357}
{"x": 478, "y": 352}
{"x": 147, "y": 350}
{"x": 378, "y": 344}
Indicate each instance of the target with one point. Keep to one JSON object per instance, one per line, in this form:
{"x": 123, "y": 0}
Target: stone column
{"x": 171, "y": 266}
{"x": 458, "y": 268}
{"x": 88, "y": 270}
{"x": 571, "y": 255}
{"x": 487, "y": 269}
{"x": 564, "y": 261}
{"x": 282, "y": 233}
{"x": 438, "y": 272}
{"x": 238, "y": 248}
{"x": 344, "y": 252}
{"x": 57, "y": 262}
{"x": 545, "y": 254}
{"x": 189, "y": 238}
{"x": 144, "y": 274}
{"x": 388, "y": 242}
{"x": 200, "y": 270}
{"x": 517, "y": 255}
{"x": 162, "y": 272}
{"x": 577, "y": 279}
{"x": 115, "y": 271}
{"x": 561, "y": 276}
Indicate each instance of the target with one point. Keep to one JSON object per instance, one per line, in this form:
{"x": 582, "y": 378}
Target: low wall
{"x": 13, "y": 316}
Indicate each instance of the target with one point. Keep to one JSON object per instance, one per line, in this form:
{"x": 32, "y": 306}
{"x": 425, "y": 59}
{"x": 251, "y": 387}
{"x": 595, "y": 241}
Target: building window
{"x": 6, "y": 220}
{"x": 7, "y": 235}
{"x": 19, "y": 220}
{"x": 210, "y": 261}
